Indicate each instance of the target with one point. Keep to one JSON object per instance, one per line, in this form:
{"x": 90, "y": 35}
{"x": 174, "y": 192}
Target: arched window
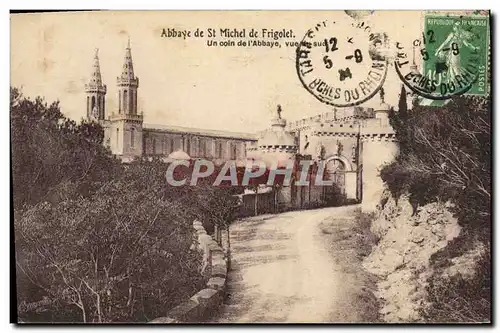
{"x": 99, "y": 102}
{"x": 172, "y": 145}
{"x": 200, "y": 147}
{"x": 117, "y": 137}
{"x": 233, "y": 151}
{"x": 335, "y": 169}
{"x": 132, "y": 137}
{"x": 220, "y": 149}
{"x": 119, "y": 101}
{"x": 188, "y": 146}
{"x": 103, "y": 107}
{"x": 154, "y": 146}
{"x": 88, "y": 106}
{"x": 133, "y": 107}
{"x": 93, "y": 104}
{"x": 125, "y": 97}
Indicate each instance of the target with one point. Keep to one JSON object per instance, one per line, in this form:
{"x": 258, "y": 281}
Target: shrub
{"x": 119, "y": 255}
{"x": 96, "y": 240}
{"x": 461, "y": 299}
{"x": 48, "y": 148}
{"x": 445, "y": 155}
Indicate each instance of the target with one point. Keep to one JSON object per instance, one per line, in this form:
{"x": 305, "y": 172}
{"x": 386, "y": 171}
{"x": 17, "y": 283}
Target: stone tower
{"x": 277, "y": 145}
{"x": 379, "y": 147}
{"x": 125, "y": 130}
{"x": 96, "y": 92}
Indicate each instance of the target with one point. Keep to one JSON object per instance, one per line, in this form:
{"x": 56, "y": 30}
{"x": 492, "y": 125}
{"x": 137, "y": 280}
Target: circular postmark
{"x": 342, "y": 63}
{"x": 451, "y": 59}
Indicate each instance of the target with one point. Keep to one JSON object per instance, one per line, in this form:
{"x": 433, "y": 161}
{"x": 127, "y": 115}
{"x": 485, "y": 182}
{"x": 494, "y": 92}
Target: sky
{"x": 183, "y": 82}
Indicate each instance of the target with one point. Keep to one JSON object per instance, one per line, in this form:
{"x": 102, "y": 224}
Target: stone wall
{"x": 205, "y": 302}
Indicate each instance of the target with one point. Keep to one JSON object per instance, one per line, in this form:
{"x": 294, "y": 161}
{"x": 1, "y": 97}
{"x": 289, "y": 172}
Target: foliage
{"x": 461, "y": 299}
{"x": 445, "y": 154}
{"x": 96, "y": 240}
{"x": 118, "y": 255}
{"x": 48, "y": 149}
{"x": 364, "y": 237}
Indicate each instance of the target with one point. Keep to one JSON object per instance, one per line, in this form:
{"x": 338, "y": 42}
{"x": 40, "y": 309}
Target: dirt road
{"x": 283, "y": 270}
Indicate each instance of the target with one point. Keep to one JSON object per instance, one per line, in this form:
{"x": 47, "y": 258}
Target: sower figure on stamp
{"x": 448, "y": 52}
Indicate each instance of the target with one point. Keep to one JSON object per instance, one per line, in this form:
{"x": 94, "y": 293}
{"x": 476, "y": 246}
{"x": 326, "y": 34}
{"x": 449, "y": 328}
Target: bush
{"x": 461, "y": 299}
{"x": 48, "y": 148}
{"x": 445, "y": 155}
{"x": 362, "y": 229}
{"x": 119, "y": 255}
{"x": 96, "y": 240}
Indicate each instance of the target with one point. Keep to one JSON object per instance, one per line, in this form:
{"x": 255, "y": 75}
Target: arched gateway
{"x": 336, "y": 168}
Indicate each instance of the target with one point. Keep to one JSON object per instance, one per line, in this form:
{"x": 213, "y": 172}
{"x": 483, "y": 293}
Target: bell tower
{"x": 125, "y": 132}
{"x": 127, "y": 86}
{"x": 96, "y": 92}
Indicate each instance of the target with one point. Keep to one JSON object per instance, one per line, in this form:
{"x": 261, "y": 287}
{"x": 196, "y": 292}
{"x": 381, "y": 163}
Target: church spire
{"x": 128, "y": 66}
{"x": 127, "y": 85}
{"x": 96, "y": 79}
{"x": 96, "y": 92}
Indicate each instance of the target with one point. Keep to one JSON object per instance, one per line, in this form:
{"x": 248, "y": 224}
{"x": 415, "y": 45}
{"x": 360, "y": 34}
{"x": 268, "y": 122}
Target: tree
{"x": 402, "y": 104}
{"x": 95, "y": 240}
{"x": 119, "y": 255}
{"x": 48, "y": 149}
{"x": 446, "y": 155}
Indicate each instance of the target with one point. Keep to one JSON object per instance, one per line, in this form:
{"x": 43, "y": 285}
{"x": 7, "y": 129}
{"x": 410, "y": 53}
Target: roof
{"x": 202, "y": 132}
{"x": 178, "y": 155}
{"x": 277, "y": 138}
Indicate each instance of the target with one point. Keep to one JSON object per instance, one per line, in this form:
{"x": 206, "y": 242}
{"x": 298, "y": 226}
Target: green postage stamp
{"x": 456, "y": 53}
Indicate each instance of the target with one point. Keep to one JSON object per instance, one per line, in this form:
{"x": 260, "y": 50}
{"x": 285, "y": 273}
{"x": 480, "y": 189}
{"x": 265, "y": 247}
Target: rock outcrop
{"x": 407, "y": 240}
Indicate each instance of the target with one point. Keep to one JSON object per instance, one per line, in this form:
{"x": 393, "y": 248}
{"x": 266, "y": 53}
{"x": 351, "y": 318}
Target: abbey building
{"x": 354, "y": 143}
{"x": 128, "y": 137}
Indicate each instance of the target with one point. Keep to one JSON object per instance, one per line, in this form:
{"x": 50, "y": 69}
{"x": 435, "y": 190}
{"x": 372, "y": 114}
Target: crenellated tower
{"x": 96, "y": 92}
{"x": 125, "y": 130}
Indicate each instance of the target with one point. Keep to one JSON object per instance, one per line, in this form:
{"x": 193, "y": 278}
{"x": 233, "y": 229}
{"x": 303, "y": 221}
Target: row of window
{"x": 132, "y": 137}
{"x": 186, "y": 146}
{"x": 95, "y": 103}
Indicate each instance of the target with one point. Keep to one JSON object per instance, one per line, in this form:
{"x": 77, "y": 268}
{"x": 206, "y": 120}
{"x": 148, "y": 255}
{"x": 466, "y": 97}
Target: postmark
{"x": 453, "y": 52}
{"x": 342, "y": 62}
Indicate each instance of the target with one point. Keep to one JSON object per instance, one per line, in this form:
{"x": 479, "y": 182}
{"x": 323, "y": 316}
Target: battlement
{"x": 336, "y": 129}
{"x": 374, "y": 129}
{"x": 278, "y": 148}
{"x": 337, "y": 116}
{"x": 129, "y": 117}
{"x": 125, "y": 81}
{"x": 94, "y": 88}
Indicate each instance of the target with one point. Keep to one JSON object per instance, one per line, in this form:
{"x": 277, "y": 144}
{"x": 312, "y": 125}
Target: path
{"x": 282, "y": 270}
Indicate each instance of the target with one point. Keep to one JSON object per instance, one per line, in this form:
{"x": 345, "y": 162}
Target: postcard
{"x": 220, "y": 167}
